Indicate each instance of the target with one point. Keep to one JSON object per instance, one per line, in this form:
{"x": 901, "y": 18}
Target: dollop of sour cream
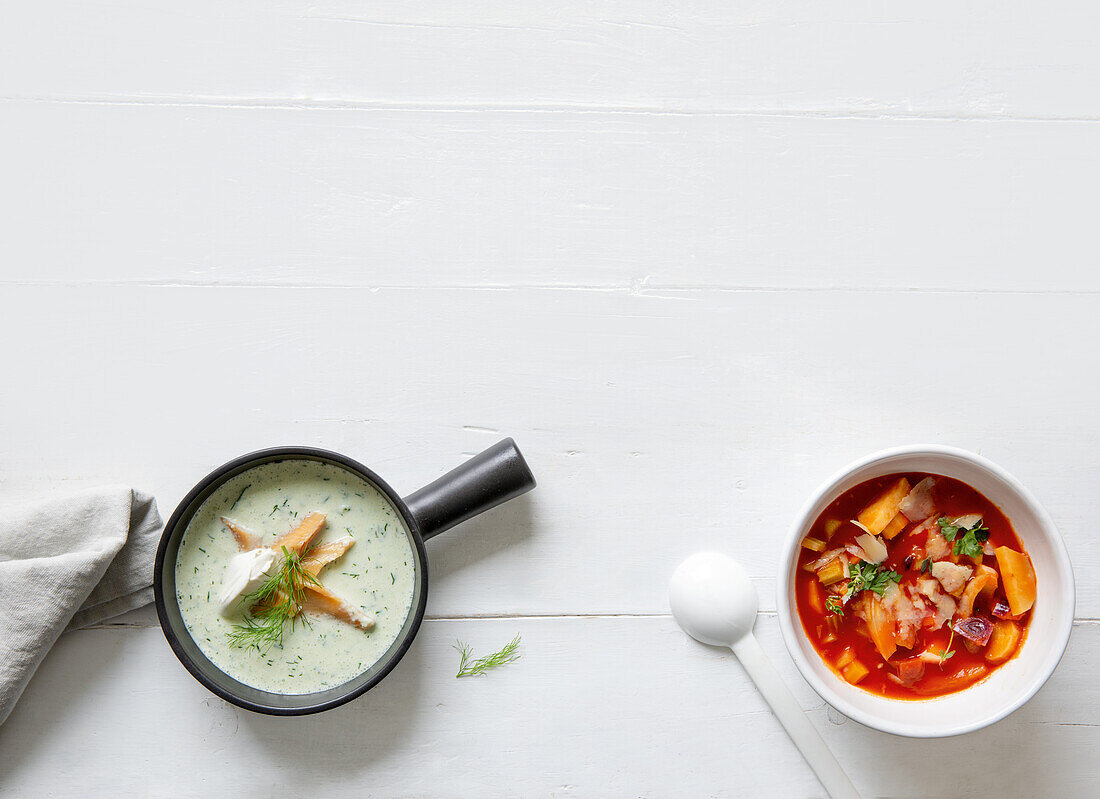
{"x": 243, "y": 574}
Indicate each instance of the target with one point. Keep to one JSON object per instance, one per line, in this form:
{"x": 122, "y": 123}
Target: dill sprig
{"x": 471, "y": 668}
{"x": 278, "y": 600}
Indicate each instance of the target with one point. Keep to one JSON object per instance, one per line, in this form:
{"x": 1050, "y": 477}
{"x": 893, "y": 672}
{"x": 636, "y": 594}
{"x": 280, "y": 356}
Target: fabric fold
{"x": 66, "y": 563}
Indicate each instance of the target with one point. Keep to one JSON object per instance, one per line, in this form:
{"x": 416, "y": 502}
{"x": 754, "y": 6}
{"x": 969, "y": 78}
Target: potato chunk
{"x": 1003, "y": 641}
{"x": 898, "y": 524}
{"x": 876, "y": 516}
{"x": 1018, "y": 579}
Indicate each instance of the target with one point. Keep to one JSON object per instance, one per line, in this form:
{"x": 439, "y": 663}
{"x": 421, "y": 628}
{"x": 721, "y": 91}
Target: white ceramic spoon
{"x": 714, "y": 601}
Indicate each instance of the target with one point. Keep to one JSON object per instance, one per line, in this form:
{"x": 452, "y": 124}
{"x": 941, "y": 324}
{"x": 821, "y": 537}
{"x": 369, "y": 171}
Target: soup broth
{"x": 913, "y": 586}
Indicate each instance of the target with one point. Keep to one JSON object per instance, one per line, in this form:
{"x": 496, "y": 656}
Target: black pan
{"x": 483, "y": 482}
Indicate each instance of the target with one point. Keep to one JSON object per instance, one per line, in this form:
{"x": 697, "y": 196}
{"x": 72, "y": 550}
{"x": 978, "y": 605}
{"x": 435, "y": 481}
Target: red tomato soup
{"x": 914, "y": 585}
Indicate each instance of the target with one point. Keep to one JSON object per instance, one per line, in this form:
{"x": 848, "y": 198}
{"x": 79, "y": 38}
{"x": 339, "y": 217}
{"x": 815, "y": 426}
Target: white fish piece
{"x": 908, "y": 611}
{"x": 937, "y": 546}
{"x": 945, "y": 605}
{"x": 243, "y": 574}
{"x": 918, "y": 503}
{"x": 952, "y": 577}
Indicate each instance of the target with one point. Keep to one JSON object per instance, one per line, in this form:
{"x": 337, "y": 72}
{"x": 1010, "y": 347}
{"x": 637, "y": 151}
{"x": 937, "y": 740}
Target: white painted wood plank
{"x": 793, "y": 56}
{"x": 596, "y": 707}
{"x": 385, "y": 198}
{"x": 658, "y": 423}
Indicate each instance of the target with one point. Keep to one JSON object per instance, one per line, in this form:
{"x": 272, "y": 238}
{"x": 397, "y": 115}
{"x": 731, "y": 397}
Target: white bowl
{"x": 1005, "y": 689}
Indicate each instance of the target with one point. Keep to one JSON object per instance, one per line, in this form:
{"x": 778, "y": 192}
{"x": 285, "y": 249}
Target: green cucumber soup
{"x": 373, "y": 578}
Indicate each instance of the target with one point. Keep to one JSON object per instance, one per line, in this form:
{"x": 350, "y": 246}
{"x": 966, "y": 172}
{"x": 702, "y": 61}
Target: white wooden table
{"x": 693, "y": 257}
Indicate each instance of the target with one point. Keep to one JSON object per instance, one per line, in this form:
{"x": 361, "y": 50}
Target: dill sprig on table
{"x": 278, "y": 600}
{"x": 471, "y": 668}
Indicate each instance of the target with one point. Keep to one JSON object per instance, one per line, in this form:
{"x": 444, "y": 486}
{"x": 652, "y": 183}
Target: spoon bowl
{"x": 713, "y": 599}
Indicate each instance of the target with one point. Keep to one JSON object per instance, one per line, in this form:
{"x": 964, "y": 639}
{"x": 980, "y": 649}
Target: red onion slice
{"x": 974, "y": 629}
{"x": 1001, "y": 610}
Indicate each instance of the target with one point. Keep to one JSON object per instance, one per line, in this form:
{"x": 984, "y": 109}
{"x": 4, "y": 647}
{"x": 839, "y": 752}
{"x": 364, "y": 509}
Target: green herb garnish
{"x": 871, "y": 577}
{"x": 945, "y": 654}
{"x": 278, "y": 600}
{"x": 926, "y": 566}
{"x": 948, "y": 529}
{"x": 470, "y": 668}
{"x": 834, "y": 605}
{"x": 971, "y": 542}
{"x": 238, "y": 499}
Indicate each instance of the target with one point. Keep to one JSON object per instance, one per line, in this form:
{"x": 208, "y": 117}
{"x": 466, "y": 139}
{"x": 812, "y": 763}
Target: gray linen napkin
{"x": 68, "y": 563}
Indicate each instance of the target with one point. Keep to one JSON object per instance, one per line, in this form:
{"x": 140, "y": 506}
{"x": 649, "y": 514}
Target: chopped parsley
{"x": 871, "y": 577}
{"x": 948, "y": 529}
{"x": 926, "y": 566}
{"x": 970, "y": 544}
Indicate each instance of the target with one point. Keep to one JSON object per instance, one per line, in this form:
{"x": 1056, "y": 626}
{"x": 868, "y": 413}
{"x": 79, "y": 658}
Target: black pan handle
{"x": 486, "y": 480}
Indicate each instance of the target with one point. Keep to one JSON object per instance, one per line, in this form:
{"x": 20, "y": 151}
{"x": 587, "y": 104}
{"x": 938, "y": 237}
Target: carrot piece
{"x": 1003, "y": 642}
{"x": 817, "y": 598}
{"x": 897, "y": 524}
{"x": 846, "y": 657}
{"x": 245, "y": 540}
{"x": 854, "y": 672}
{"x": 324, "y": 554}
{"x": 1018, "y": 578}
{"x": 299, "y": 539}
{"x": 881, "y": 627}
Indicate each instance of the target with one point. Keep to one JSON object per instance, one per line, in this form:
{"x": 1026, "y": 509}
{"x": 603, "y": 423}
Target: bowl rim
{"x": 787, "y": 614}
{"x": 180, "y": 517}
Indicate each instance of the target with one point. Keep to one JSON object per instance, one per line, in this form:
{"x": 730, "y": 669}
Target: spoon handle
{"x": 793, "y": 718}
